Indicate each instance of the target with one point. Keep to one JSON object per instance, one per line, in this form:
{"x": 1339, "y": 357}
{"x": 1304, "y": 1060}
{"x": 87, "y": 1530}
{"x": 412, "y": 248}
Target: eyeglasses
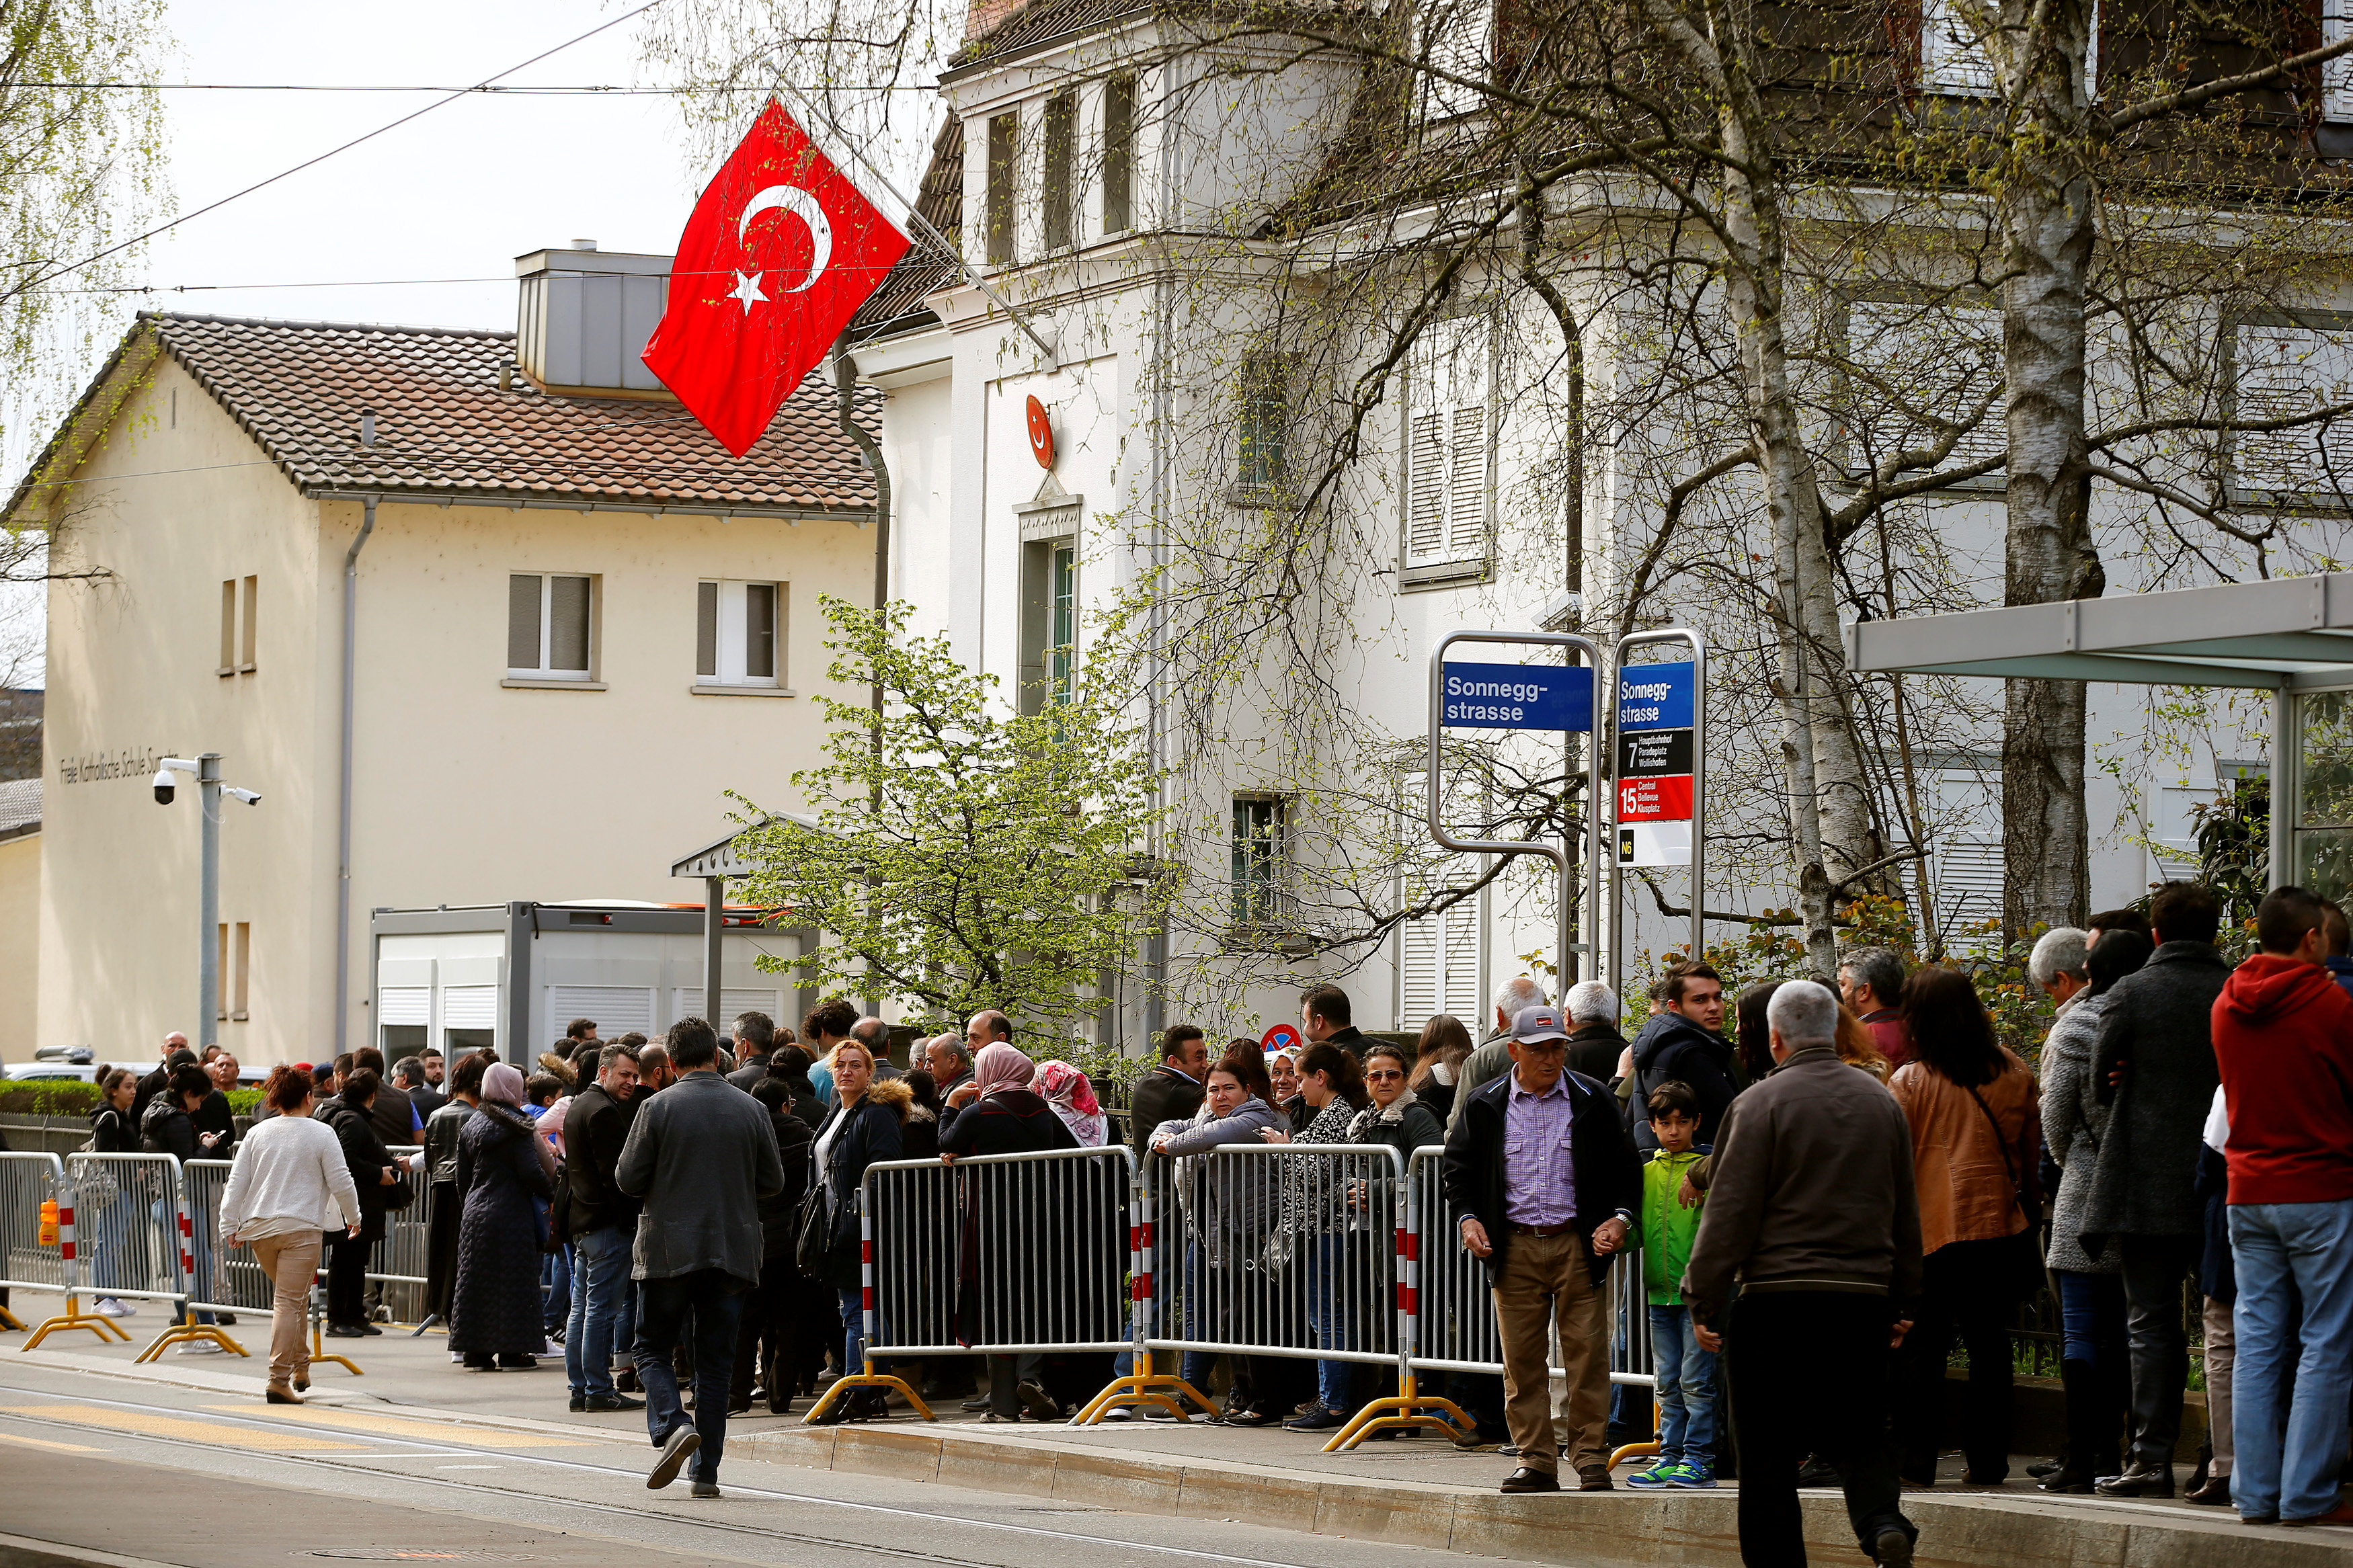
{"x": 1384, "y": 1076}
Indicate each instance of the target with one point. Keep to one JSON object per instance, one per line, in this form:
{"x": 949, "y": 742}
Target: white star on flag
{"x": 747, "y": 289}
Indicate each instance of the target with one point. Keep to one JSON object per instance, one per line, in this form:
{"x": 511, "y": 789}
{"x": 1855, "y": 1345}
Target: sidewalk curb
{"x": 21, "y": 1552}
{"x": 1642, "y": 1530}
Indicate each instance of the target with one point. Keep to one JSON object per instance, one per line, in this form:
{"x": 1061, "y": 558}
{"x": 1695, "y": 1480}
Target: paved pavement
{"x": 412, "y": 1455}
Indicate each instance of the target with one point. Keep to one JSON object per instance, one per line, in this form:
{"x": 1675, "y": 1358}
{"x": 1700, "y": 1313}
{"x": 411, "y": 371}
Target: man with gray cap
{"x": 1543, "y": 1184}
{"x": 1811, "y": 1208}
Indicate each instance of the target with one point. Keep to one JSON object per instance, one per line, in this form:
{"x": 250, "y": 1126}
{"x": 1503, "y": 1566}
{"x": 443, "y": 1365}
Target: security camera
{"x": 250, "y": 796}
{"x": 1564, "y": 614}
{"x": 164, "y": 784}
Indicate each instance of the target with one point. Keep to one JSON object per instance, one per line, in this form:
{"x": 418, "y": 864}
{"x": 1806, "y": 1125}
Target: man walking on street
{"x": 604, "y": 1228}
{"x": 2284, "y": 1041}
{"x": 701, "y": 1156}
{"x": 2154, "y": 1058}
{"x": 1544, "y": 1184}
{"x": 1811, "y": 1208}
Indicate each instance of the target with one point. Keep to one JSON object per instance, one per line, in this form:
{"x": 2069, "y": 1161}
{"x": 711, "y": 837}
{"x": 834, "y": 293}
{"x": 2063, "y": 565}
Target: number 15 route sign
{"x": 1655, "y": 742}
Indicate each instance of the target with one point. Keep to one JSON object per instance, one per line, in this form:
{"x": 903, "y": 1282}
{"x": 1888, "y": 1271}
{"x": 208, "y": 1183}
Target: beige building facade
{"x": 575, "y": 624}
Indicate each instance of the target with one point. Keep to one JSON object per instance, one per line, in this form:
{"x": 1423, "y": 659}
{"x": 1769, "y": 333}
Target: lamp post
{"x": 205, "y": 767}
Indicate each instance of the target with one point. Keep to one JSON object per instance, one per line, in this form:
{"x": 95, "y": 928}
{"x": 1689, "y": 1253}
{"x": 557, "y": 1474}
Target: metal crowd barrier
{"x": 398, "y": 1264}
{"x": 132, "y": 1227}
{"x": 993, "y": 1255}
{"x": 231, "y": 1279}
{"x": 37, "y": 1250}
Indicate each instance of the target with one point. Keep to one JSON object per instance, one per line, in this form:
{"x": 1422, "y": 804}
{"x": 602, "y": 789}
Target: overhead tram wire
{"x": 486, "y": 89}
{"x": 312, "y": 162}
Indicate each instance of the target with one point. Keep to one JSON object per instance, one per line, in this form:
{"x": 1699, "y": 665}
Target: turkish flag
{"x": 779, "y": 254}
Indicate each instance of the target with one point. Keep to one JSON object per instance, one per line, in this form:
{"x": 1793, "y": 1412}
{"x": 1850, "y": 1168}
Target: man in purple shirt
{"x": 1544, "y": 1184}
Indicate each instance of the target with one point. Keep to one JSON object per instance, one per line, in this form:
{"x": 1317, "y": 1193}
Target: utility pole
{"x": 208, "y": 803}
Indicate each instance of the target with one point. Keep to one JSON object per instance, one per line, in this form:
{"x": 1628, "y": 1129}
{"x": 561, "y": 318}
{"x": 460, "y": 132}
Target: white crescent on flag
{"x": 803, "y": 206}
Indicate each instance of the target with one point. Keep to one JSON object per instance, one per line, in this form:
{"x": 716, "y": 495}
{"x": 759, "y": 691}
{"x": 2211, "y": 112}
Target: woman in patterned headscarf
{"x": 1072, "y": 1097}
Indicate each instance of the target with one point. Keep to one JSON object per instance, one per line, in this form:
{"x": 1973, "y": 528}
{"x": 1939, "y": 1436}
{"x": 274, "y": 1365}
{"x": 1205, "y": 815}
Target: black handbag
{"x": 813, "y": 1234}
{"x": 400, "y": 1194}
{"x": 2021, "y": 1272}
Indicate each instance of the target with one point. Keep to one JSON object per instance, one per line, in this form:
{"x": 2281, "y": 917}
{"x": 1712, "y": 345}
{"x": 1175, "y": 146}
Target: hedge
{"x": 71, "y": 1097}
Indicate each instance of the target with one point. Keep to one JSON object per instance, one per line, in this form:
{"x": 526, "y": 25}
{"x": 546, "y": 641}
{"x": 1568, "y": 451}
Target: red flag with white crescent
{"x": 778, "y": 254}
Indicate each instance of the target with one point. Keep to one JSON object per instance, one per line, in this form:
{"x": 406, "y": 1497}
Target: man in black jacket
{"x": 603, "y": 1224}
{"x": 176, "y": 1046}
{"x": 1169, "y": 1092}
{"x": 1594, "y": 1043}
{"x": 408, "y": 1077}
{"x": 1683, "y": 1044}
{"x": 755, "y": 1036}
{"x": 1544, "y": 1186}
{"x": 1325, "y": 1015}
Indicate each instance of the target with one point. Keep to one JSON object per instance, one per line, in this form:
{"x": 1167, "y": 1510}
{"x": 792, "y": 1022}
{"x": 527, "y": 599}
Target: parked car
{"x": 74, "y": 1070}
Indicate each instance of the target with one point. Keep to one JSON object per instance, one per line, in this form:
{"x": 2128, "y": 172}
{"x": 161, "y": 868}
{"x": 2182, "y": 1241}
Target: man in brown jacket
{"x": 1811, "y": 1206}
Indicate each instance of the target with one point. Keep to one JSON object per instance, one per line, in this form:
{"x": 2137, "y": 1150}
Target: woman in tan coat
{"x": 1975, "y": 1135}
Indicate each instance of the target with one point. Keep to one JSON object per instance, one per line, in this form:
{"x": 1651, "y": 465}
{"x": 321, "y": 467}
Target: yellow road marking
{"x": 408, "y": 1426}
{"x": 173, "y": 1427}
{"x": 45, "y": 1443}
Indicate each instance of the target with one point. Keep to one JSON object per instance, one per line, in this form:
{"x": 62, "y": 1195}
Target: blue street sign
{"x": 1517, "y": 697}
{"x": 1654, "y": 697}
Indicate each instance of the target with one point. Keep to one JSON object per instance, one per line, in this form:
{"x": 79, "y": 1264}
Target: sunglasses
{"x": 1384, "y": 1076}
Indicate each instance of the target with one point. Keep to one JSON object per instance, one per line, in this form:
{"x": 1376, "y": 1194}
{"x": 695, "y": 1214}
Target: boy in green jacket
{"x": 1686, "y": 1373}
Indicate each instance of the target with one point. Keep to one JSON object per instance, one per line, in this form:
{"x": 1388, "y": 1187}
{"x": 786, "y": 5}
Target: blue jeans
{"x": 1686, "y": 1389}
{"x": 556, "y": 1281}
{"x": 2290, "y": 1430}
{"x": 1327, "y": 1312}
{"x": 2092, "y": 1319}
{"x": 853, "y": 1329}
{"x": 1191, "y": 1316}
{"x": 603, "y": 1310}
{"x": 705, "y": 1307}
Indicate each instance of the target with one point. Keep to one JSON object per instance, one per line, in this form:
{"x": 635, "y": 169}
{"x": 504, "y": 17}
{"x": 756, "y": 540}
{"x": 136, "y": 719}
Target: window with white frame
{"x": 1446, "y": 446}
{"x": 550, "y": 627}
{"x": 1458, "y": 42}
{"x": 1916, "y": 364}
{"x": 1262, "y": 861}
{"x": 739, "y": 633}
{"x": 2337, "y": 75}
{"x": 2293, "y": 367}
{"x": 1440, "y": 960}
{"x": 1965, "y": 861}
{"x": 1953, "y": 57}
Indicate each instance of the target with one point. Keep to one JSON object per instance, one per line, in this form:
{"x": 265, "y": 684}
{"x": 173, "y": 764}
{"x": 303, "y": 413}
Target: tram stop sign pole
{"x": 1660, "y": 725}
{"x": 1560, "y": 699}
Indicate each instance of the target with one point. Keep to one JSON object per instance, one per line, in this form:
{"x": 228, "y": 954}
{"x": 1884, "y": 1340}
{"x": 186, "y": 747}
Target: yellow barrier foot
{"x": 107, "y": 1330}
{"x": 1402, "y": 1412}
{"x": 1161, "y": 1389}
{"x": 186, "y": 1333}
{"x": 866, "y": 1380}
{"x": 10, "y": 1322}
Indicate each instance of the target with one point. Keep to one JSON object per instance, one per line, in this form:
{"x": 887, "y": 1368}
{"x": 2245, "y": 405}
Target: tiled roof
{"x": 1029, "y": 23}
{"x": 923, "y": 269}
{"x": 20, "y": 807}
{"x": 445, "y": 426}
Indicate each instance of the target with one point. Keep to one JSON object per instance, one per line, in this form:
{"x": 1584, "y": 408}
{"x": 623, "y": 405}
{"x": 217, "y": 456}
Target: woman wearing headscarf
{"x": 1072, "y": 1097}
{"x": 502, "y": 1166}
{"x": 1008, "y": 1117}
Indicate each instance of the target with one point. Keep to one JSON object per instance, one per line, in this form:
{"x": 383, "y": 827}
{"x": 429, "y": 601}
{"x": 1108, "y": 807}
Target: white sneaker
{"x": 108, "y": 1307}
{"x": 456, "y": 1358}
{"x": 199, "y": 1347}
{"x": 1117, "y": 1413}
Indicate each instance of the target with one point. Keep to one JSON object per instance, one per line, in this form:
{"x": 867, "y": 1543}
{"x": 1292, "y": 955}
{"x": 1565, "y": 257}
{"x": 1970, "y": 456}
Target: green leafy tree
{"x": 961, "y": 855}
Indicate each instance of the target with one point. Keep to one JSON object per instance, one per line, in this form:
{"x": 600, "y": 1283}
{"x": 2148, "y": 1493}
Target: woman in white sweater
{"x": 290, "y": 1184}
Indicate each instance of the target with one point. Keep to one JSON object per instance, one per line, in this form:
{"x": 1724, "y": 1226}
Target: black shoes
{"x": 1816, "y": 1472}
{"x": 604, "y": 1402}
{"x": 2214, "y": 1491}
{"x": 1525, "y": 1479}
{"x": 1038, "y": 1402}
{"x": 346, "y": 1331}
{"x": 1893, "y": 1549}
{"x": 2139, "y": 1479}
{"x": 579, "y": 1403}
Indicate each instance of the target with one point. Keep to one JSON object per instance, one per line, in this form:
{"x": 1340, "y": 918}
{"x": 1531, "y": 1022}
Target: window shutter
{"x": 617, "y": 1009}
{"x": 706, "y": 629}
{"x": 1439, "y": 963}
{"x": 2284, "y": 371}
{"x": 1947, "y": 359}
{"x": 686, "y": 1001}
{"x": 522, "y": 622}
{"x": 567, "y": 623}
{"x": 1446, "y": 443}
{"x": 471, "y": 1007}
{"x": 2337, "y": 75}
{"x": 404, "y": 1005}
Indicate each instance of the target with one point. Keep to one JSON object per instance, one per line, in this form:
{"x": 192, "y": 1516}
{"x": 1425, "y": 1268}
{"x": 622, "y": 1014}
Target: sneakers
{"x": 1117, "y": 1413}
{"x": 199, "y": 1347}
{"x": 1316, "y": 1418}
{"x": 1038, "y": 1402}
{"x": 108, "y": 1307}
{"x": 1688, "y": 1477}
{"x": 676, "y": 1450}
{"x": 1654, "y": 1480}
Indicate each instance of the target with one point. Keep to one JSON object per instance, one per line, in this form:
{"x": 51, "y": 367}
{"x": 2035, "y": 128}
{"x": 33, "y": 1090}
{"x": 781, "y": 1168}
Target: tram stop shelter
{"x": 2290, "y": 637}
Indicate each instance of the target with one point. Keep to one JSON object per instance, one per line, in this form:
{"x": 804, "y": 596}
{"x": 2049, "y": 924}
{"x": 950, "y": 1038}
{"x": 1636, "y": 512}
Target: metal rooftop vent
{"x": 583, "y": 318}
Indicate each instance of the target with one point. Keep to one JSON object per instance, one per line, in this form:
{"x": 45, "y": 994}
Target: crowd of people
{"x": 1828, "y": 1198}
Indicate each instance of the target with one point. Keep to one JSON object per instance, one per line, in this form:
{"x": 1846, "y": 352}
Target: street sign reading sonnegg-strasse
{"x": 1516, "y": 697}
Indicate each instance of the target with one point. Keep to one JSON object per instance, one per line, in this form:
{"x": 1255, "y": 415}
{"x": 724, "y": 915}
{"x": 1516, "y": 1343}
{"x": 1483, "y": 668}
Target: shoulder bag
{"x": 813, "y": 1230}
{"x": 2020, "y": 1270}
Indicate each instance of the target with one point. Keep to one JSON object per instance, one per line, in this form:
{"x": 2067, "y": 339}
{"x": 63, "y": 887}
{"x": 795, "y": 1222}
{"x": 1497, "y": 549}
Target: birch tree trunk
{"x": 1830, "y": 799}
{"x": 2047, "y": 217}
